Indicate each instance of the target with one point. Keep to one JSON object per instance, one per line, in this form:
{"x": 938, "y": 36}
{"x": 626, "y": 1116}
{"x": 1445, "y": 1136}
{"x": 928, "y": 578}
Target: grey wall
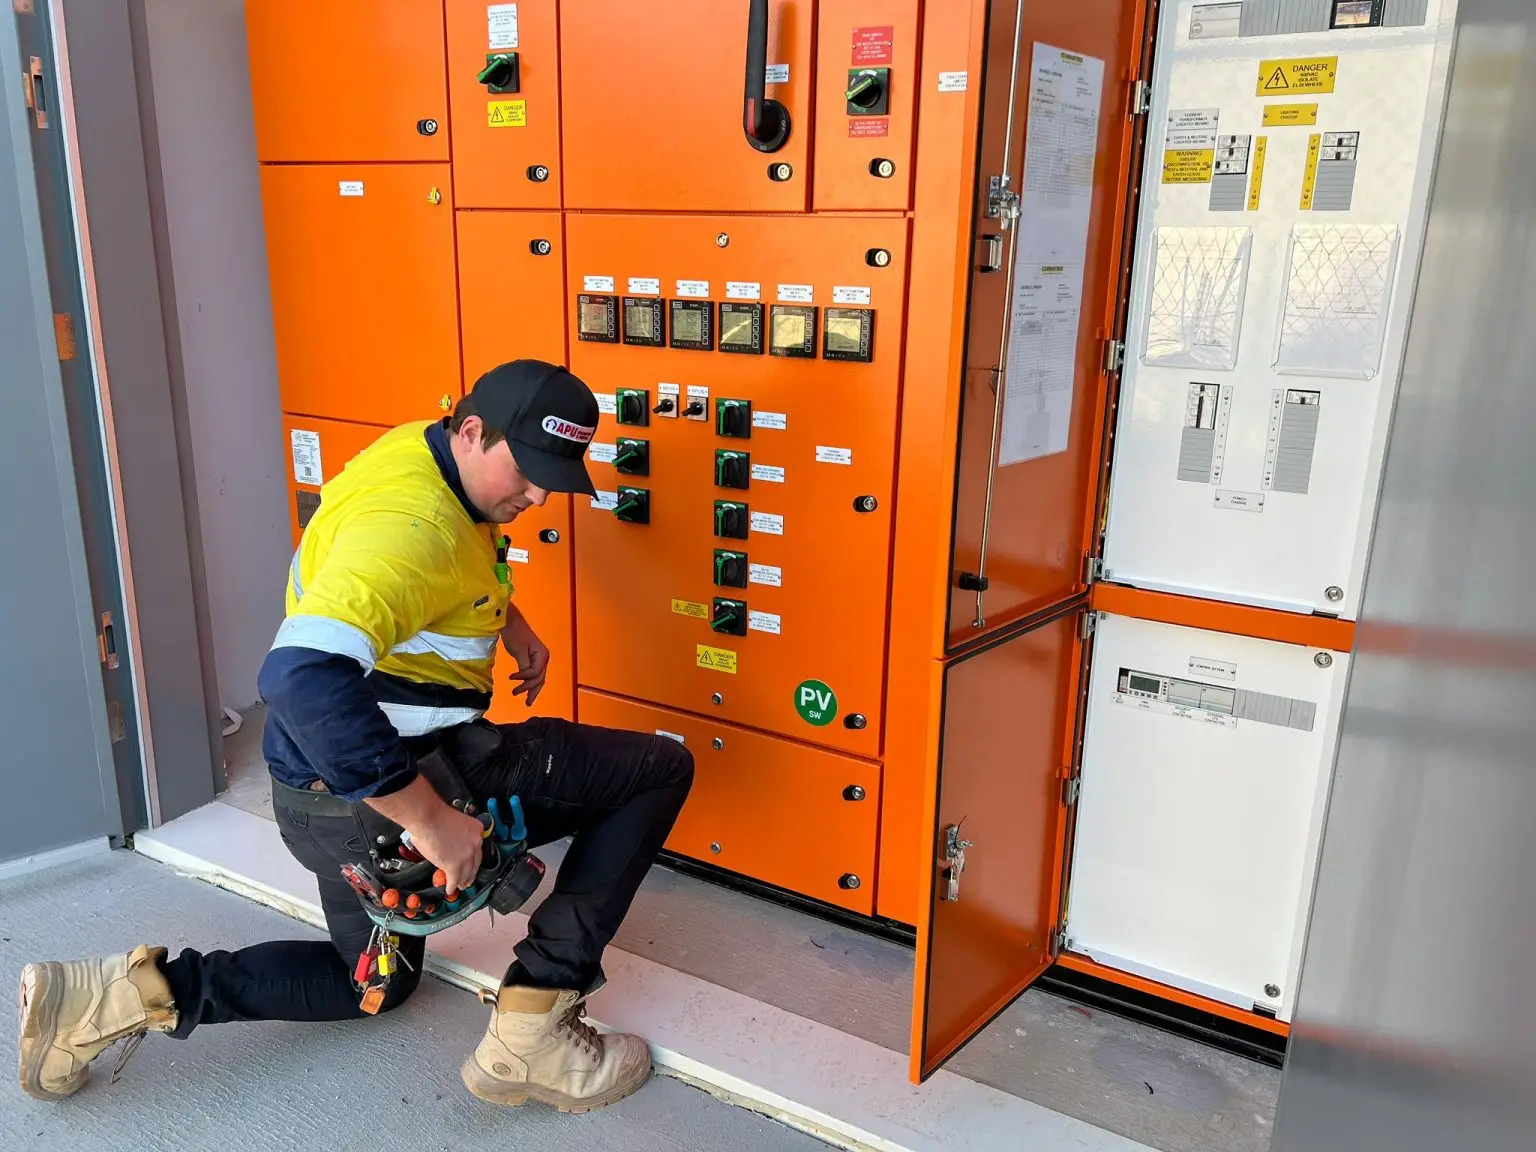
{"x": 195, "y": 97}
{"x": 1415, "y": 1027}
{"x": 52, "y": 706}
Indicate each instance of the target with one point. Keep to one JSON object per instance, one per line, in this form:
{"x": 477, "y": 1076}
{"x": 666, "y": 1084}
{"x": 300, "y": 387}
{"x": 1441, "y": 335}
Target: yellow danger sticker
{"x": 1188, "y": 166}
{"x": 1290, "y": 115}
{"x": 717, "y": 659}
{"x": 691, "y": 608}
{"x": 506, "y": 113}
{"x": 1297, "y": 77}
{"x": 1256, "y": 181}
{"x": 1309, "y": 177}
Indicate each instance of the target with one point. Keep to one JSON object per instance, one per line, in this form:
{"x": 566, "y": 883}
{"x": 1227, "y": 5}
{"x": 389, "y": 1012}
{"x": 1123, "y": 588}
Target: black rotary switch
{"x": 632, "y": 406}
{"x": 730, "y": 568}
{"x": 633, "y": 457}
{"x": 868, "y": 91}
{"x": 731, "y": 520}
{"x": 634, "y": 506}
{"x": 501, "y": 72}
{"x": 733, "y": 418}
{"x": 732, "y": 469}
{"x": 665, "y": 405}
{"x": 695, "y": 408}
{"x": 729, "y": 617}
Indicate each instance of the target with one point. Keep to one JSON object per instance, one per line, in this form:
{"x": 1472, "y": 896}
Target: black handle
{"x": 765, "y": 121}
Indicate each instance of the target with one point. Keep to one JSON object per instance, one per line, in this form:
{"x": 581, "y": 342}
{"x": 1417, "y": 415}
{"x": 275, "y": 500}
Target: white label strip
{"x": 1240, "y": 501}
{"x": 768, "y": 473}
{"x": 833, "y": 455}
{"x": 306, "y": 458}
{"x": 605, "y": 501}
{"x": 952, "y": 81}
{"x": 351, "y": 187}
{"x": 775, "y": 420}
{"x": 693, "y": 289}
{"x": 602, "y": 453}
{"x": 743, "y": 290}
{"x": 763, "y": 622}
{"x": 776, "y": 74}
{"x": 517, "y": 555}
{"x": 796, "y": 294}
{"x": 644, "y": 286}
{"x": 503, "y": 25}
{"x": 765, "y": 574}
{"x": 1199, "y": 666}
{"x": 767, "y": 523}
{"x": 698, "y": 392}
{"x": 597, "y": 283}
{"x": 607, "y": 403}
{"x": 846, "y": 295}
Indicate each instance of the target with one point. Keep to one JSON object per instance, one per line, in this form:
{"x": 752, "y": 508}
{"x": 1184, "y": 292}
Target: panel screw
{"x": 427, "y": 127}
{"x": 716, "y": 698}
{"x": 541, "y": 247}
{"x": 884, "y": 169}
{"x": 780, "y": 172}
{"x": 856, "y": 721}
{"x": 1272, "y": 991}
{"x": 1334, "y": 593}
{"x": 878, "y": 258}
{"x": 717, "y": 744}
{"x": 849, "y": 881}
{"x": 715, "y": 848}
{"x": 865, "y": 504}
{"x": 550, "y": 536}
{"x": 853, "y": 792}
{"x": 538, "y": 173}
{"x": 723, "y": 240}
{"x": 1323, "y": 660}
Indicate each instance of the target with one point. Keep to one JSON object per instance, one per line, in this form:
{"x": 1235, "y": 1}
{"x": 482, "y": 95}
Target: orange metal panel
{"x": 540, "y": 563}
{"x": 335, "y": 443}
{"x": 512, "y": 292}
{"x": 1036, "y": 543}
{"x": 828, "y": 425}
{"x": 868, "y": 47}
{"x": 1006, "y": 710}
{"x": 506, "y": 132}
{"x": 1215, "y": 1007}
{"x": 795, "y": 817}
{"x": 364, "y": 299}
{"x": 1216, "y": 616}
{"x": 653, "y": 105}
{"x": 940, "y": 266}
{"x": 348, "y": 80}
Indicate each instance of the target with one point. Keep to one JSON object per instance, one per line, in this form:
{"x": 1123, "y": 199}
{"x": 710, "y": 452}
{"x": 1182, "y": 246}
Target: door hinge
{"x": 1141, "y": 98}
{"x": 1114, "y": 355}
{"x": 991, "y": 256}
{"x": 1001, "y": 203}
{"x": 37, "y": 97}
{"x": 1093, "y": 569}
{"x": 106, "y": 640}
{"x": 973, "y": 582}
{"x": 116, "y": 725}
{"x": 1071, "y": 789}
{"x": 64, "y": 335}
{"x": 1060, "y": 942}
{"x": 1087, "y": 624}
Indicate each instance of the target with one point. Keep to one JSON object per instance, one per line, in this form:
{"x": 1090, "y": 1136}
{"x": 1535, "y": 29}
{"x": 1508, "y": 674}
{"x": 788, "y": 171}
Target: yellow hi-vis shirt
{"x": 392, "y": 572}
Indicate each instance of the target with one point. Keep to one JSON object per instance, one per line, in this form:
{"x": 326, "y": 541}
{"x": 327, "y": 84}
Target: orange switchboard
{"x": 319, "y": 449}
{"x": 848, "y": 280}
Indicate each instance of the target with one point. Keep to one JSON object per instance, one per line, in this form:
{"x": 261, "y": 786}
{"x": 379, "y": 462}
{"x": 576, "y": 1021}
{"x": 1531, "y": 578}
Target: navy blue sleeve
{"x": 323, "y": 721}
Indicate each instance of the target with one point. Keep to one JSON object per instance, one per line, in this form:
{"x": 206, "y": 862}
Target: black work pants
{"x": 615, "y": 793}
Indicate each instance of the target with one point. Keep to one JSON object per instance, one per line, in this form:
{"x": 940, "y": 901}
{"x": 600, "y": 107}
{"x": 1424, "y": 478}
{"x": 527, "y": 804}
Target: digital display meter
{"x": 849, "y": 334}
{"x": 741, "y": 328}
{"x": 793, "y": 331}
{"x": 597, "y": 319}
{"x": 691, "y": 327}
{"x": 642, "y": 322}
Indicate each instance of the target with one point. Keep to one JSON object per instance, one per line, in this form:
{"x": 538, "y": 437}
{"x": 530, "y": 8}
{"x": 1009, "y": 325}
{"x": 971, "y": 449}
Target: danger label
{"x": 873, "y": 45}
{"x": 691, "y": 608}
{"x": 506, "y": 113}
{"x": 1305, "y": 75}
{"x": 715, "y": 659}
{"x": 867, "y": 127}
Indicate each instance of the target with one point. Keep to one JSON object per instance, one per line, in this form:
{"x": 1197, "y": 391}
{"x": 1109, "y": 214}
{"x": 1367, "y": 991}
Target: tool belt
{"x": 401, "y": 890}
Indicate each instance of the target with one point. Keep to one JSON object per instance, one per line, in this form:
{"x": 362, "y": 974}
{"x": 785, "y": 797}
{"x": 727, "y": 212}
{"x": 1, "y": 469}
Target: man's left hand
{"x": 531, "y": 654}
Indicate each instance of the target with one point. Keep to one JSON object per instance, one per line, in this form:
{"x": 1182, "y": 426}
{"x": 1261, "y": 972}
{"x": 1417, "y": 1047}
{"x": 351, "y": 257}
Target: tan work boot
{"x": 537, "y": 1047}
{"x": 72, "y": 1012}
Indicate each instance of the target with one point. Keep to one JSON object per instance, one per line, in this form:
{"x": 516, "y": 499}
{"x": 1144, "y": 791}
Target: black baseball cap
{"x": 548, "y": 417}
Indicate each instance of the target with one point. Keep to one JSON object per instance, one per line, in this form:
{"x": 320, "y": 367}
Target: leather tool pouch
{"x": 383, "y": 834}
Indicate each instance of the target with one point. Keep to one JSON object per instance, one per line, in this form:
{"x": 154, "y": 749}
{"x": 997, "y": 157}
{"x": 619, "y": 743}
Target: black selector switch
{"x": 732, "y": 469}
{"x": 695, "y": 409}
{"x": 633, "y": 457}
{"x": 665, "y": 406}
{"x": 634, "y": 506}
{"x": 729, "y": 617}
{"x": 730, "y": 568}
{"x": 731, "y": 520}
{"x": 868, "y": 92}
{"x": 632, "y": 406}
{"x": 733, "y": 418}
{"x": 501, "y": 72}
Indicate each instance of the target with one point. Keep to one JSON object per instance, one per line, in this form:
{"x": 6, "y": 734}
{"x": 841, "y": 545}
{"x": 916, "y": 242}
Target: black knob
{"x": 856, "y": 721}
{"x": 848, "y": 881}
{"x": 634, "y": 506}
{"x": 865, "y": 503}
{"x": 882, "y": 168}
{"x": 427, "y": 127}
{"x": 633, "y": 457}
{"x": 549, "y": 536}
{"x": 729, "y": 617}
{"x": 664, "y": 405}
{"x": 500, "y": 73}
{"x": 695, "y": 408}
{"x": 732, "y": 469}
{"x": 540, "y": 247}
{"x": 853, "y": 792}
{"x": 877, "y": 258}
{"x": 865, "y": 89}
{"x": 731, "y": 520}
{"x": 733, "y": 418}
{"x": 538, "y": 173}
{"x": 631, "y": 407}
{"x": 730, "y": 569}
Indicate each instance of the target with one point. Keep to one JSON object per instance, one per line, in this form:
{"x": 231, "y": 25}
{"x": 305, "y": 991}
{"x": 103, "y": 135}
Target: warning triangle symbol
{"x": 1277, "y": 82}
{"x": 705, "y": 661}
{"x": 496, "y": 117}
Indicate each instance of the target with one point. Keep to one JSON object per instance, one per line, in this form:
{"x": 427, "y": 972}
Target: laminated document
{"x": 1338, "y": 288}
{"x": 1199, "y": 281}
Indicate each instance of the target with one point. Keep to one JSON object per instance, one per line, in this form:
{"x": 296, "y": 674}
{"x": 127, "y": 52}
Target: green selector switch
{"x": 634, "y": 506}
{"x": 501, "y": 72}
{"x": 868, "y": 92}
{"x": 729, "y": 617}
{"x": 733, "y": 418}
{"x": 632, "y": 406}
{"x": 731, "y": 520}
{"x": 633, "y": 457}
{"x": 732, "y": 469}
{"x": 730, "y": 568}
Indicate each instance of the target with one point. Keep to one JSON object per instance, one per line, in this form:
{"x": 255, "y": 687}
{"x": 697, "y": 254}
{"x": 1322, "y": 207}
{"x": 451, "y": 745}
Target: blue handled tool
{"x": 519, "y": 829}
{"x": 503, "y": 833}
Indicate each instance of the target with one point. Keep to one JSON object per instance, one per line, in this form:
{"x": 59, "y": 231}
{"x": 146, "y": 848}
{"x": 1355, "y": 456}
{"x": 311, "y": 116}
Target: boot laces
{"x": 127, "y": 1047}
{"x": 575, "y": 1025}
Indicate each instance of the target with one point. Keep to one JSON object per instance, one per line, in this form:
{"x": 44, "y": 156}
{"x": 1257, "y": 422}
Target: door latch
{"x": 953, "y": 862}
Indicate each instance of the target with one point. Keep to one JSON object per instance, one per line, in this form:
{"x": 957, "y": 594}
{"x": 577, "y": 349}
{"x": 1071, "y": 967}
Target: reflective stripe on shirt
{"x": 326, "y": 635}
{"x": 419, "y": 720}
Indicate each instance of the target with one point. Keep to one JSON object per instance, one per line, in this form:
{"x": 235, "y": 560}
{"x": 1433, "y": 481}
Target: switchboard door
{"x": 996, "y": 837}
{"x": 539, "y": 560}
{"x": 1033, "y": 408}
{"x": 317, "y": 452}
{"x": 866, "y": 104}
{"x": 656, "y": 111}
{"x": 738, "y": 552}
{"x": 512, "y": 289}
{"x": 504, "y": 84}
{"x": 364, "y": 299}
{"x": 353, "y": 80}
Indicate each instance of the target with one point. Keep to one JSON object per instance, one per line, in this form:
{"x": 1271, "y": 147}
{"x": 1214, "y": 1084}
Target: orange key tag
{"x": 373, "y": 1000}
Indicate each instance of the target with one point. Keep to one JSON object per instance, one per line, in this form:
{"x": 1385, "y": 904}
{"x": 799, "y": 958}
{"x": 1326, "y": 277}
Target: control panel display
{"x": 691, "y": 327}
{"x": 643, "y": 322}
{"x": 597, "y": 318}
{"x": 794, "y": 331}
{"x": 741, "y": 328}
{"x": 849, "y": 335}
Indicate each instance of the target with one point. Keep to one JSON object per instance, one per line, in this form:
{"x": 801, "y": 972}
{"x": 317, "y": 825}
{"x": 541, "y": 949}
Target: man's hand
{"x": 440, "y": 832}
{"x": 531, "y": 654}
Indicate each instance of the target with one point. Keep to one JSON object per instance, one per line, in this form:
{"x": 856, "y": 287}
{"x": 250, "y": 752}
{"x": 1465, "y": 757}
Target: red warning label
{"x": 873, "y": 45}
{"x": 869, "y": 126}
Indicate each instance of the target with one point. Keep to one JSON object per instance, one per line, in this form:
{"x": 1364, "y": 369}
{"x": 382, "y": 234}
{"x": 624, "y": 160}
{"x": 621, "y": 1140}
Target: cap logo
{"x": 564, "y": 429}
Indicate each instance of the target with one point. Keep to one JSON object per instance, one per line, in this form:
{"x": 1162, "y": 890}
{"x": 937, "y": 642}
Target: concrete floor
{"x": 1137, "y": 1081}
{"x": 375, "y": 1086}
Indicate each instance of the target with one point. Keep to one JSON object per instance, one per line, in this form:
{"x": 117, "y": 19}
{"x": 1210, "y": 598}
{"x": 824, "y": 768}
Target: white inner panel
{"x": 1200, "y": 806}
{"x": 1250, "y": 539}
